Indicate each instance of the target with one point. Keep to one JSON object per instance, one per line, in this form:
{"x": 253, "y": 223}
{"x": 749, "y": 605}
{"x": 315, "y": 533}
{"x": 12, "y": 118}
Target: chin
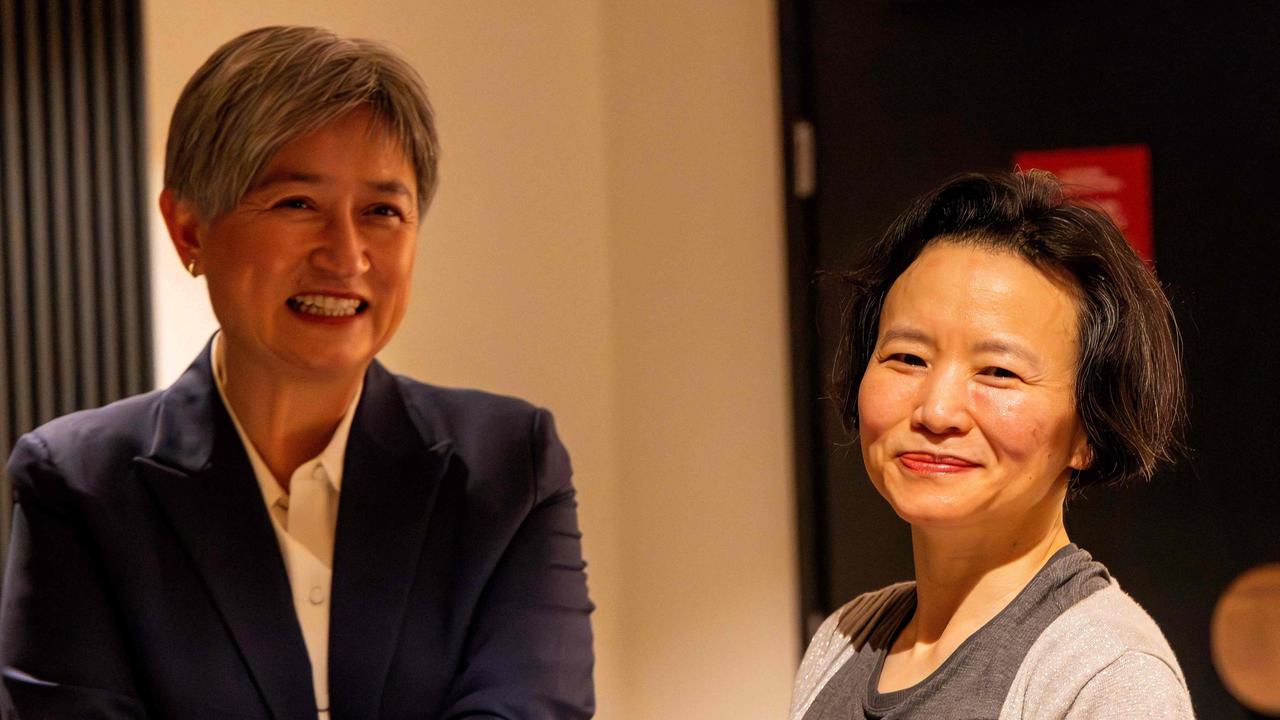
{"x": 334, "y": 361}
{"x": 922, "y": 512}
{"x": 920, "y": 508}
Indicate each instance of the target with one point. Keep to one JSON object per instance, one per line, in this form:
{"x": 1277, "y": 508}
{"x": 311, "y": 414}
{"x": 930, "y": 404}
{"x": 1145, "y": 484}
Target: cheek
{"x": 264, "y": 274}
{"x": 396, "y": 262}
{"x": 1012, "y": 422}
{"x": 392, "y": 266}
{"x": 885, "y": 400}
{"x": 395, "y": 277}
{"x": 405, "y": 250}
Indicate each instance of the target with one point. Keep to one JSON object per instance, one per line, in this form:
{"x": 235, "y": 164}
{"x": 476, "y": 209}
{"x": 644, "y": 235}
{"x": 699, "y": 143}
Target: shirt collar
{"x": 330, "y": 458}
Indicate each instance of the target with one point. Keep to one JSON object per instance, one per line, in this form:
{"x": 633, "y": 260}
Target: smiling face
{"x": 967, "y": 408}
{"x": 309, "y": 274}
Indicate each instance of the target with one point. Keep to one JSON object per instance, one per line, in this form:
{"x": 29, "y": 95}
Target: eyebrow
{"x": 991, "y": 345}
{"x": 393, "y": 187}
{"x": 281, "y": 177}
{"x": 909, "y": 334}
{"x": 1008, "y": 347}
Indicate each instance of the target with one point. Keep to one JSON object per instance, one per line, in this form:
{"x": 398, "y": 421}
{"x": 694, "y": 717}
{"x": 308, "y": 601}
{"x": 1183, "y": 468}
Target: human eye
{"x": 1000, "y": 373}
{"x": 387, "y": 210}
{"x": 293, "y": 203}
{"x": 908, "y": 359}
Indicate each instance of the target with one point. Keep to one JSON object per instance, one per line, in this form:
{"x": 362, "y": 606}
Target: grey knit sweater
{"x": 1101, "y": 658}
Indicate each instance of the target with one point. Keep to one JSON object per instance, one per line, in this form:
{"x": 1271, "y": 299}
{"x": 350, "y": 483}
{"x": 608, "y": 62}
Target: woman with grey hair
{"x": 289, "y": 530}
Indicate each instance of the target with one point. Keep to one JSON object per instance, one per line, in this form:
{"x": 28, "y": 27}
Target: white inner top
{"x": 305, "y": 519}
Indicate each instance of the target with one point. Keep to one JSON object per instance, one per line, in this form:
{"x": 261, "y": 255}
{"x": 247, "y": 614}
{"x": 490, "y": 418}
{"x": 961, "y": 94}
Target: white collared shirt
{"x": 305, "y": 520}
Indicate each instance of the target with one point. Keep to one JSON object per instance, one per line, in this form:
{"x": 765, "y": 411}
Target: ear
{"x": 1081, "y": 451}
{"x": 184, "y": 226}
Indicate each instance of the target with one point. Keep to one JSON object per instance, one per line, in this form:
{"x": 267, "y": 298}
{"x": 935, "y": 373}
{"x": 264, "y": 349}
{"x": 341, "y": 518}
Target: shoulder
{"x": 849, "y": 625}
{"x": 120, "y": 421}
{"x": 1101, "y": 628}
{"x": 855, "y": 619}
{"x": 83, "y": 446}
{"x": 468, "y": 416}
{"x": 838, "y": 639}
{"x": 492, "y": 434}
{"x": 1102, "y": 655}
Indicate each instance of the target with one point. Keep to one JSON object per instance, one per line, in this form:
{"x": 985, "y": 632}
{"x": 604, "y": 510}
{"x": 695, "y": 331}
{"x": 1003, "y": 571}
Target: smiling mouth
{"x": 327, "y": 305}
{"x": 930, "y": 464}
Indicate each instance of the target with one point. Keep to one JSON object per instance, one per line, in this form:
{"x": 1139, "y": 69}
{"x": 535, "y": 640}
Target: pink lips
{"x": 930, "y": 464}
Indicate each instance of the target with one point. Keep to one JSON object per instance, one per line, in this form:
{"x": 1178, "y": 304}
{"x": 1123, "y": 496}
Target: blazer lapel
{"x": 390, "y": 482}
{"x": 200, "y": 474}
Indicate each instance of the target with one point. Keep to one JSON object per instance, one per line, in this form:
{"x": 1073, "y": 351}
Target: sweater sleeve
{"x": 1135, "y": 685}
{"x": 827, "y": 651}
{"x": 1104, "y": 657}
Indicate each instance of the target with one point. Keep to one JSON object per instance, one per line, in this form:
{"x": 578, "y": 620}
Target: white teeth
{"x": 326, "y": 305}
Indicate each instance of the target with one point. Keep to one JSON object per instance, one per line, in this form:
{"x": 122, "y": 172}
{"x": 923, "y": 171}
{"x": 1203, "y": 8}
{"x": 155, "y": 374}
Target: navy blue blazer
{"x": 145, "y": 580}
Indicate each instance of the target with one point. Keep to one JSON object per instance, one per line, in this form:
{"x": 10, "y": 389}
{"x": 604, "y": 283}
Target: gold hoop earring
{"x": 191, "y": 267}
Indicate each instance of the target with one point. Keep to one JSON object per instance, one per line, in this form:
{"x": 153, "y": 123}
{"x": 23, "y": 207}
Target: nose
{"x": 342, "y": 251}
{"x": 942, "y": 407}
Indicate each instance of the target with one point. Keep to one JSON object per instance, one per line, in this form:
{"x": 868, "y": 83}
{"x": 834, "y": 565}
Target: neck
{"x": 288, "y": 418}
{"x": 966, "y": 576}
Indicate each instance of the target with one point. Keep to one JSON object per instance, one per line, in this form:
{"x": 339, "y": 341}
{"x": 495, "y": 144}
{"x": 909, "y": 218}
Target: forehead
{"x": 958, "y": 288}
{"x": 356, "y": 143}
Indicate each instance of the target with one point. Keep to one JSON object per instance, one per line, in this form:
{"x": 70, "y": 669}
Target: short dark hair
{"x": 1130, "y": 394}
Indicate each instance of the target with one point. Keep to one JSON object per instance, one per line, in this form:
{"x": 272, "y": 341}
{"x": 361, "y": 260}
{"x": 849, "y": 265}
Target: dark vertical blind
{"x": 73, "y": 235}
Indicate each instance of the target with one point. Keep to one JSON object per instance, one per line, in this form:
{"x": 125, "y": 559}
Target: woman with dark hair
{"x": 1003, "y": 347}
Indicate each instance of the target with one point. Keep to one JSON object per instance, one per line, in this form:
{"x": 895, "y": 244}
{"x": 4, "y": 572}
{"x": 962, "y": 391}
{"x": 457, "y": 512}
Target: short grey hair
{"x": 274, "y": 84}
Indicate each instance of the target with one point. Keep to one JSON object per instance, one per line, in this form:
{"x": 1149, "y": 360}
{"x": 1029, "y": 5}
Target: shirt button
{"x": 317, "y": 595}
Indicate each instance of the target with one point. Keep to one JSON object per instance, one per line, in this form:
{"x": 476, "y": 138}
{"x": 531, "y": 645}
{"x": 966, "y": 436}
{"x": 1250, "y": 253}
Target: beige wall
{"x": 607, "y": 242}
{"x": 696, "y": 231}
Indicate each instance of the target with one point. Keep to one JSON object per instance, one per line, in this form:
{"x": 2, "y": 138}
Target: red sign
{"x": 1117, "y": 179}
